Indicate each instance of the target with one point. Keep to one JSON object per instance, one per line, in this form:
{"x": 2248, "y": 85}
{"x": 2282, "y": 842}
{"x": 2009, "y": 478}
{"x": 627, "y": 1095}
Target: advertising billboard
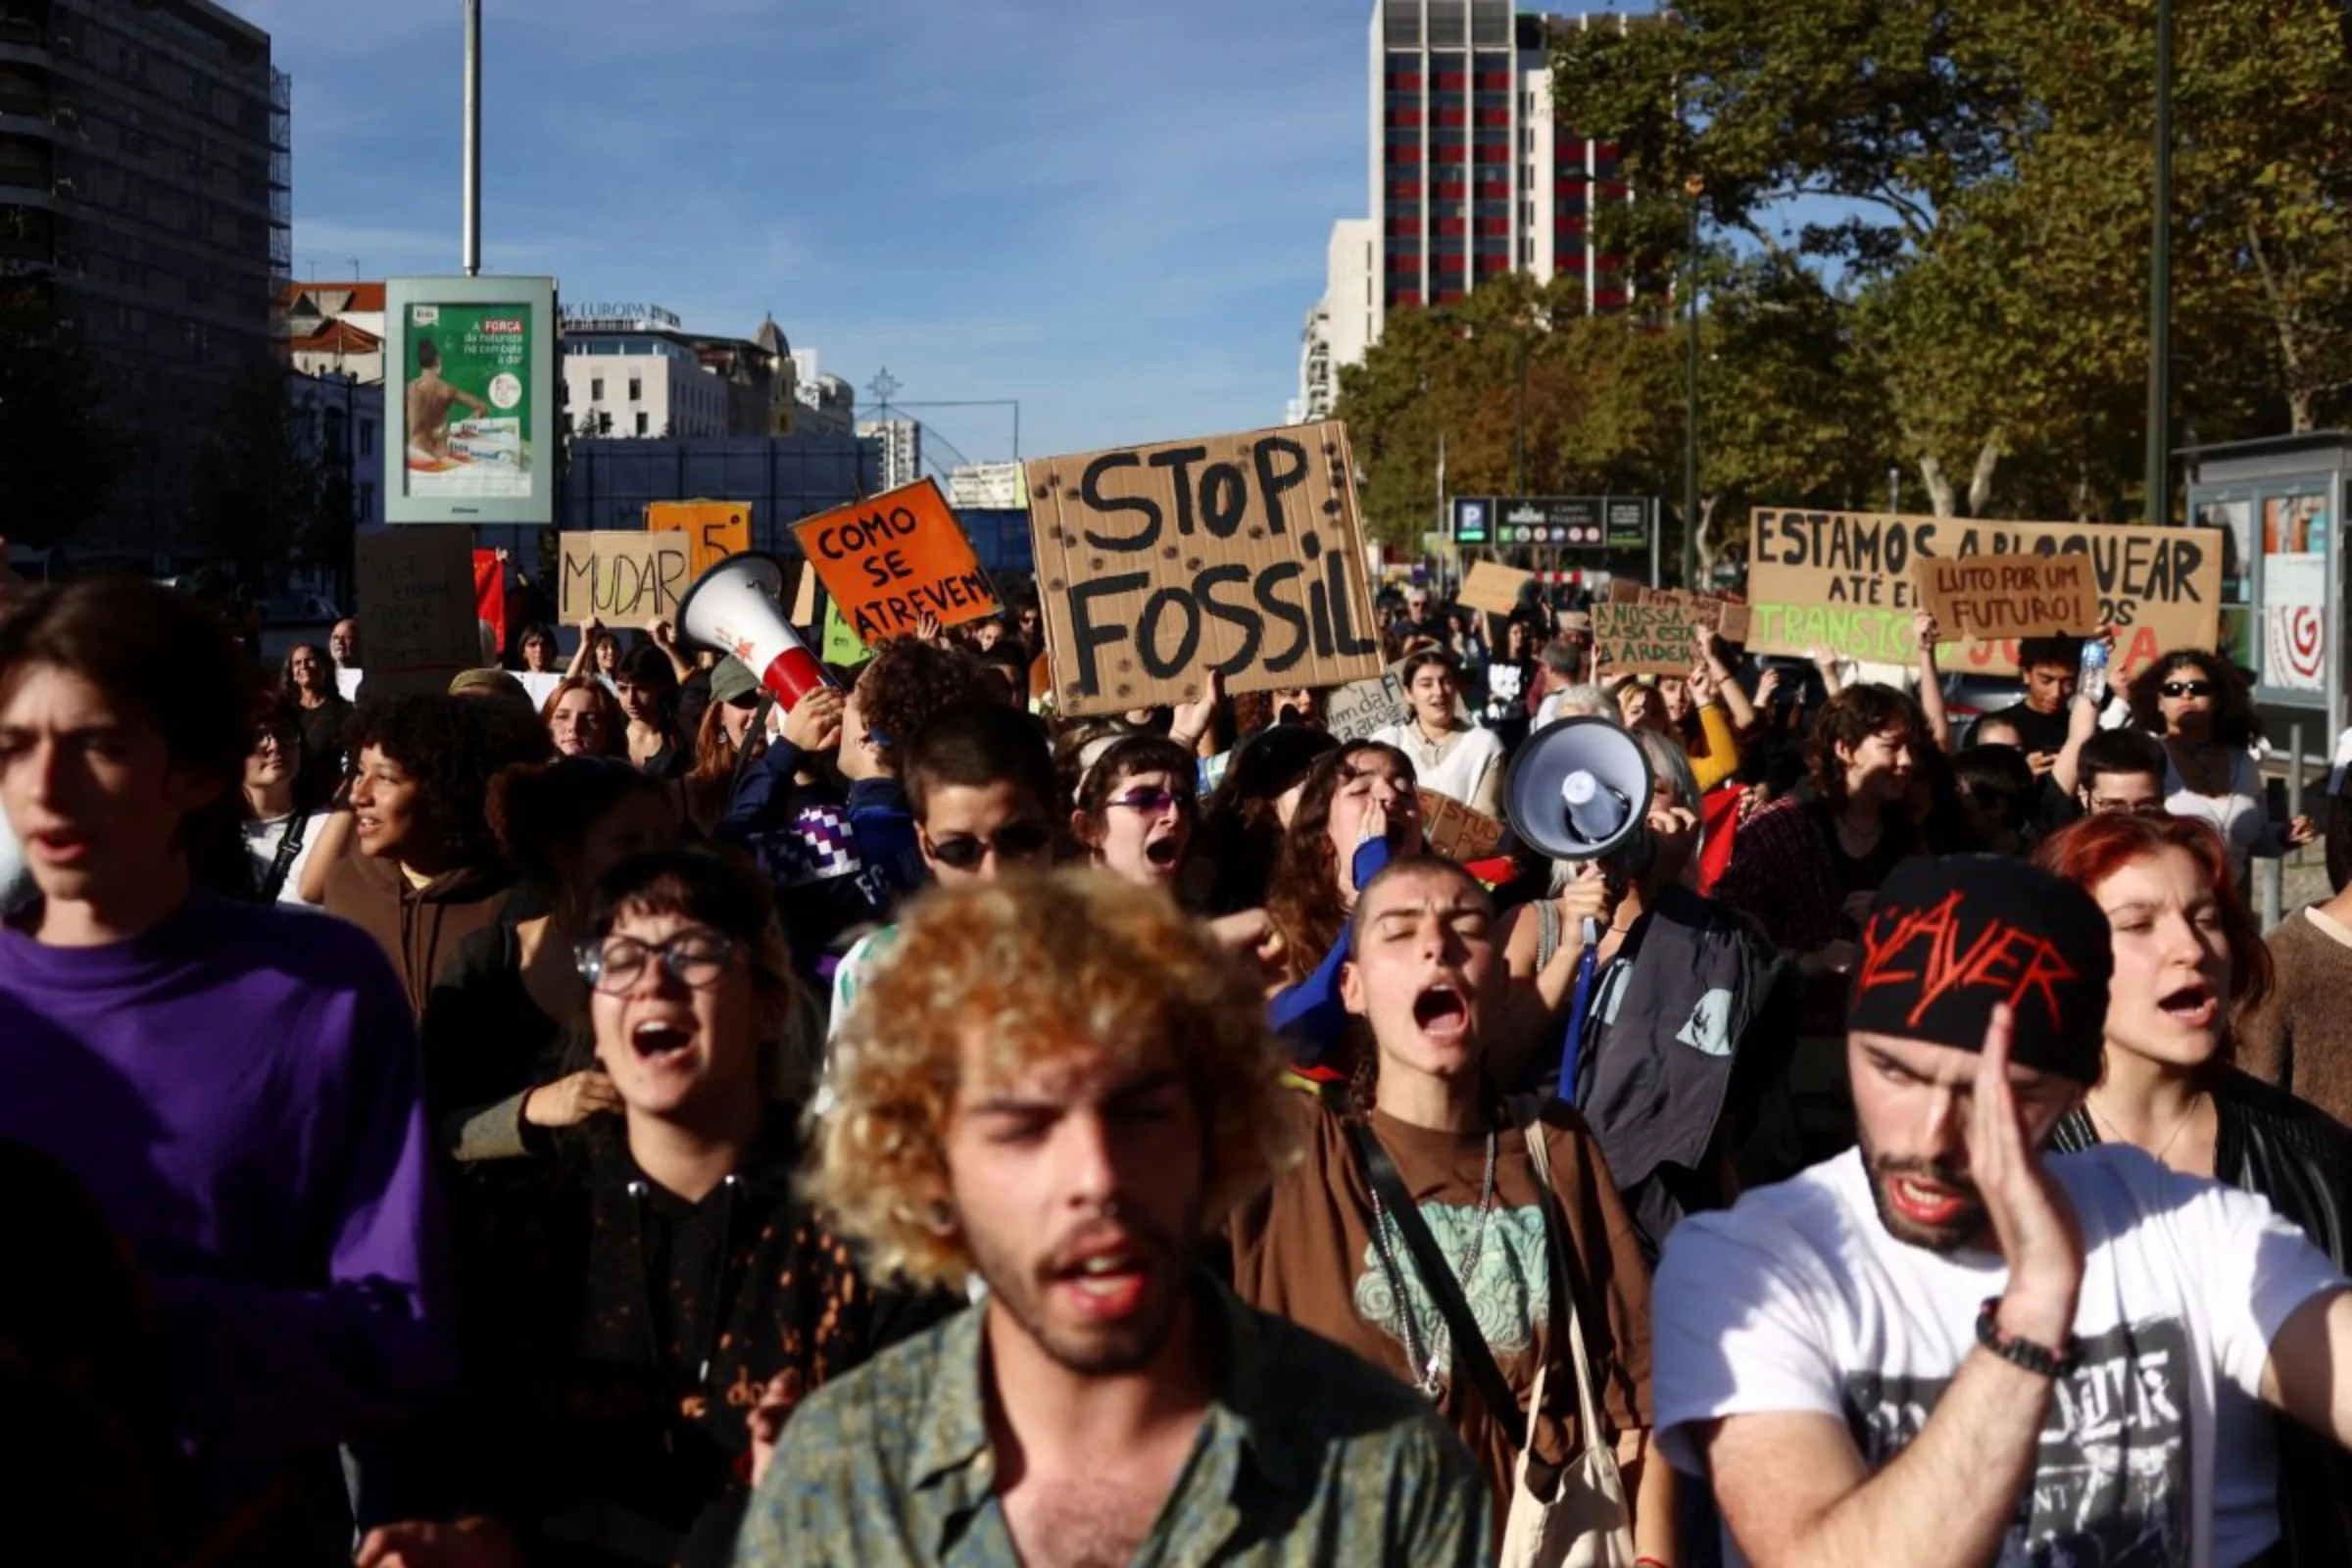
{"x": 470, "y": 432}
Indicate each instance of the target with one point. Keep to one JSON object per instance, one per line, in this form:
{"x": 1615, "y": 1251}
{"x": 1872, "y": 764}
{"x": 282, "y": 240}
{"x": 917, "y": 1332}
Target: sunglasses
{"x": 1151, "y": 803}
{"x": 1014, "y": 841}
{"x": 696, "y": 959}
{"x": 2185, "y": 688}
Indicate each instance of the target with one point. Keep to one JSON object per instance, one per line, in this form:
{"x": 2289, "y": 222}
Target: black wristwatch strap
{"x": 2038, "y": 1359}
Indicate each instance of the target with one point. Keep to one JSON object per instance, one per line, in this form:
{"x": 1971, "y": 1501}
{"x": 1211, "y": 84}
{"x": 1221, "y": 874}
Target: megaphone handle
{"x": 1572, "y": 1047}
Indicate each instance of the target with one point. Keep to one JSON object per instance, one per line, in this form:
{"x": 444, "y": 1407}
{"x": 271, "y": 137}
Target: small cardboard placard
{"x": 1454, "y": 830}
{"x": 888, "y": 560}
{"x": 842, "y": 646}
{"x": 1241, "y": 554}
{"x": 417, "y": 607}
{"x": 623, "y": 578}
{"x": 1974, "y": 597}
{"x": 1354, "y": 711}
{"x": 1845, "y": 581}
{"x": 1492, "y": 587}
{"x": 713, "y": 529}
{"x": 1644, "y": 639}
{"x": 1724, "y": 614}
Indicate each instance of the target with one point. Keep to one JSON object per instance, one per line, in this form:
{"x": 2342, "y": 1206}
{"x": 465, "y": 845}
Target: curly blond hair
{"x": 1033, "y": 968}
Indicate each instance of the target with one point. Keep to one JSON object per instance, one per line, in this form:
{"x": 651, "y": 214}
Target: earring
{"x": 939, "y": 1218}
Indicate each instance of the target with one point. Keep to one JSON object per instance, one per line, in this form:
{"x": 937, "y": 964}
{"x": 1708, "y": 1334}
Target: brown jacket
{"x": 418, "y": 927}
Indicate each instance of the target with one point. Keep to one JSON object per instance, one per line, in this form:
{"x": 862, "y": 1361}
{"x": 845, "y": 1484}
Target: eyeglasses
{"x": 2185, "y": 688}
{"x": 284, "y": 739}
{"x": 1014, "y": 841}
{"x": 696, "y": 959}
{"x": 1151, "y": 803}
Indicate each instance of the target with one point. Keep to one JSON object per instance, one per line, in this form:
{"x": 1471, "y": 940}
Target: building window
{"x": 637, "y": 392}
{"x": 366, "y": 500}
{"x": 641, "y": 424}
{"x": 367, "y": 439}
{"x": 596, "y": 389}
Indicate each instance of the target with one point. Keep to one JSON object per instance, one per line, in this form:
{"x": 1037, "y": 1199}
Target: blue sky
{"x": 1114, "y": 212}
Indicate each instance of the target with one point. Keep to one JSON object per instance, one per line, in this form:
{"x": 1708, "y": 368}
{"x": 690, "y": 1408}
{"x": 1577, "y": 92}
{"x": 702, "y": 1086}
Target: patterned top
{"x": 1306, "y": 1456}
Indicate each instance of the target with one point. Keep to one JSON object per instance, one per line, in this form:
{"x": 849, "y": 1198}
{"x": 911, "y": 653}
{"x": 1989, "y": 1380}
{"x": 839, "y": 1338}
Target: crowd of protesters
{"x": 596, "y": 1115}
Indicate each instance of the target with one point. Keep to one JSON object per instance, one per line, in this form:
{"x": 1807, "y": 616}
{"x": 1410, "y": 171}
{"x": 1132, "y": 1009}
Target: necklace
{"x": 2164, "y": 1148}
{"x": 1389, "y": 1242}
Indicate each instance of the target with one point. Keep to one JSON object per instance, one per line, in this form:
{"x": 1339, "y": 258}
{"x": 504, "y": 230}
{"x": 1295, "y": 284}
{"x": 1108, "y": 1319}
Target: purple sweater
{"x": 239, "y": 1090}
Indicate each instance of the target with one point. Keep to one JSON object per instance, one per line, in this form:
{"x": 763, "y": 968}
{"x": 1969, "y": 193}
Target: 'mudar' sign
{"x": 1845, "y": 581}
{"x": 1240, "y": 554}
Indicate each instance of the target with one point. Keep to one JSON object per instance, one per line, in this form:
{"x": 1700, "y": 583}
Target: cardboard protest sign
{"x": 1644, "y": 639}
{"x": 417, "y": 609}
{"x": 890, "y": 560}
{"x": 713, "y": 529}
{"x": 1724, "y": 614}
{"x": 623, "y": 578}
{"x": 1454, "y": 830}
{"x": 1844, "y": 581}
{"x": 1242, "y": 554}
{"x": 1492, "y": 587}
{"x": 1354, "y": 711}
{"x": 1992, "y": 597}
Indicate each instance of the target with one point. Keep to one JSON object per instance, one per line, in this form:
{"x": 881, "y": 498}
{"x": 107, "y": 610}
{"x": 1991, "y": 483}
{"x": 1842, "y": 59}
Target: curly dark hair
{"x": 452, "y": 746}
{"x": 1851, "y": 717}
{"x": 909, "y": 682}
{"x": 1306, "y": 904}
{"x": 1241, "y": 825}
{"x": 2234, "y": 704}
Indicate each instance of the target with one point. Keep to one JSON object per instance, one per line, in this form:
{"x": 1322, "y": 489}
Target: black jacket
{"x": 2299, "y": 1157}
{"x": 618, "y": 1336}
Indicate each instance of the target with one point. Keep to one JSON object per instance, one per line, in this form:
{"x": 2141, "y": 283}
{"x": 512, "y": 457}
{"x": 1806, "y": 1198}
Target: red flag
{"x": 490, "y": 592}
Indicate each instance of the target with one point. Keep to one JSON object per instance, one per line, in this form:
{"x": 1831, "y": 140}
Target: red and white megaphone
{"x": 735, "y": 608}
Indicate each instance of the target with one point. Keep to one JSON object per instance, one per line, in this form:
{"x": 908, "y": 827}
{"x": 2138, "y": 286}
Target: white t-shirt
{"x": 540, "y": 684}
{"x": 2157, "y": 1448}
{"x": 2242, "y": 817}
{"x": 347, "y": 682}
{"x": 261, "y": 847}
{"x": 1454, "y": 768}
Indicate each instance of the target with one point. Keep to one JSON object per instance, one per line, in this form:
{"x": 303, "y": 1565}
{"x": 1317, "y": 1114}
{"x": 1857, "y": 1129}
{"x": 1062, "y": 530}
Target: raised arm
{"x": 583, "y": 657}
{"x": 1793, "y": 1488}
{"x": 1931, "y": 680}
{"x": 1724, "y": 689}
{"x": 2082, "y": 723}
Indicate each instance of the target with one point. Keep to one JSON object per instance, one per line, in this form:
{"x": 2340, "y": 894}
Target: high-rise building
{"x": 146, "y": 189}
{"x": 1472, "y": 177}
{"x": 901, "y": 449}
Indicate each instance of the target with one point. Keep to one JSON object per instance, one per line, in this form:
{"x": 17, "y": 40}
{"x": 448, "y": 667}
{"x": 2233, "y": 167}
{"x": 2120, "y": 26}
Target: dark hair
{"x": 709, "y": 888}
{"x": 978, "y": 744}
{"x": 542, "y": 630}
{"x": 908, "y": 682}
{"x": 2035, "y": 652}
{"x": 1254, "y": 713}
{"x": 1304, "y": 902}
{"x": 1427, "y": 657}
{"x": 324, "y": 660}
{"x": 1851, "y": 717}
{"x": 1241, "y": 825}
{"x": 2232, "y": 706}
{"x": 616, "y": 723}
{"x": 452, "y": 746}
{"x": 2090, "y": 852}
{"x": 539, "y": 809}
{"x": 274, "y": 713}
{"x": 175, "y": 663}
{"x": 649, "y": 668}
{"x": 1140, "y": 754}
{"x": 2000, "y": 781}
{"x": 2118, "y": 751}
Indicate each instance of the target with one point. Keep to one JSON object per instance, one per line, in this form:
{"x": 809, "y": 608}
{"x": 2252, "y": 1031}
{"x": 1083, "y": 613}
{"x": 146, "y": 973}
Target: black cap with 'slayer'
{"x": 1949, "y": 938}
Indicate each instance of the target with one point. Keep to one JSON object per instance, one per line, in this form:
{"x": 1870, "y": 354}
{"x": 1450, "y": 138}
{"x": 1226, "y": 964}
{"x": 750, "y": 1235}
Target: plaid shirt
{"x": 1781, "y": 874}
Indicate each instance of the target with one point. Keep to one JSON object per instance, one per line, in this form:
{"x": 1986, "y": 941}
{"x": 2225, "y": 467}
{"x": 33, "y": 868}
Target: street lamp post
{"x": 2160, "y": 284}
{"x": 474, "y": 139}
{"x": 1519, "y": 437}
{"x": 1690, "y": 412}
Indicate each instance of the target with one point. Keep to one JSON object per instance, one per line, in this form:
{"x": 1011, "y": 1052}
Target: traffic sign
{"x": 1473, "y": 520}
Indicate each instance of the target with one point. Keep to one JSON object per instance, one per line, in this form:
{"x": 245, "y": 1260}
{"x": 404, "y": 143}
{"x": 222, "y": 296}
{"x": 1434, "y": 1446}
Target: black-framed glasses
{"x": 2185, "y": 688}
{"x": 697, "y": 959}
{"x": 1014, "y": 841}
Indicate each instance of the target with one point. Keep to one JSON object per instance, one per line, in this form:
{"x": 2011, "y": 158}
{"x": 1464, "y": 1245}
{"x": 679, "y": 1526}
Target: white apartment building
{"x": 639, "y": 377}
{"x": 901, "y": 449}
{"x": 1340, "y": 327}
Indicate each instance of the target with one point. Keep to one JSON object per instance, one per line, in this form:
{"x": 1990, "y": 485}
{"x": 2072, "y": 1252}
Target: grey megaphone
{"x": 1579, "y": 790}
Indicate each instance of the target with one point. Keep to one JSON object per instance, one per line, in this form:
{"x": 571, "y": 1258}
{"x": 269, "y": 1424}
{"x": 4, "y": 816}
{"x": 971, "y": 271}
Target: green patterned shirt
{"x": 1308, "y": 1455}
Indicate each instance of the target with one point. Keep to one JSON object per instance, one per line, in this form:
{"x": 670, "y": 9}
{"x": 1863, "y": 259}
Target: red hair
{"x": 2090, "y": 852}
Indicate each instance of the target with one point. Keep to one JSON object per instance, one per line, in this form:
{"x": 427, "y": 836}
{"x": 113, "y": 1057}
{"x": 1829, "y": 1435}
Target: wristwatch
{"x": 2038, "y": 1359}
